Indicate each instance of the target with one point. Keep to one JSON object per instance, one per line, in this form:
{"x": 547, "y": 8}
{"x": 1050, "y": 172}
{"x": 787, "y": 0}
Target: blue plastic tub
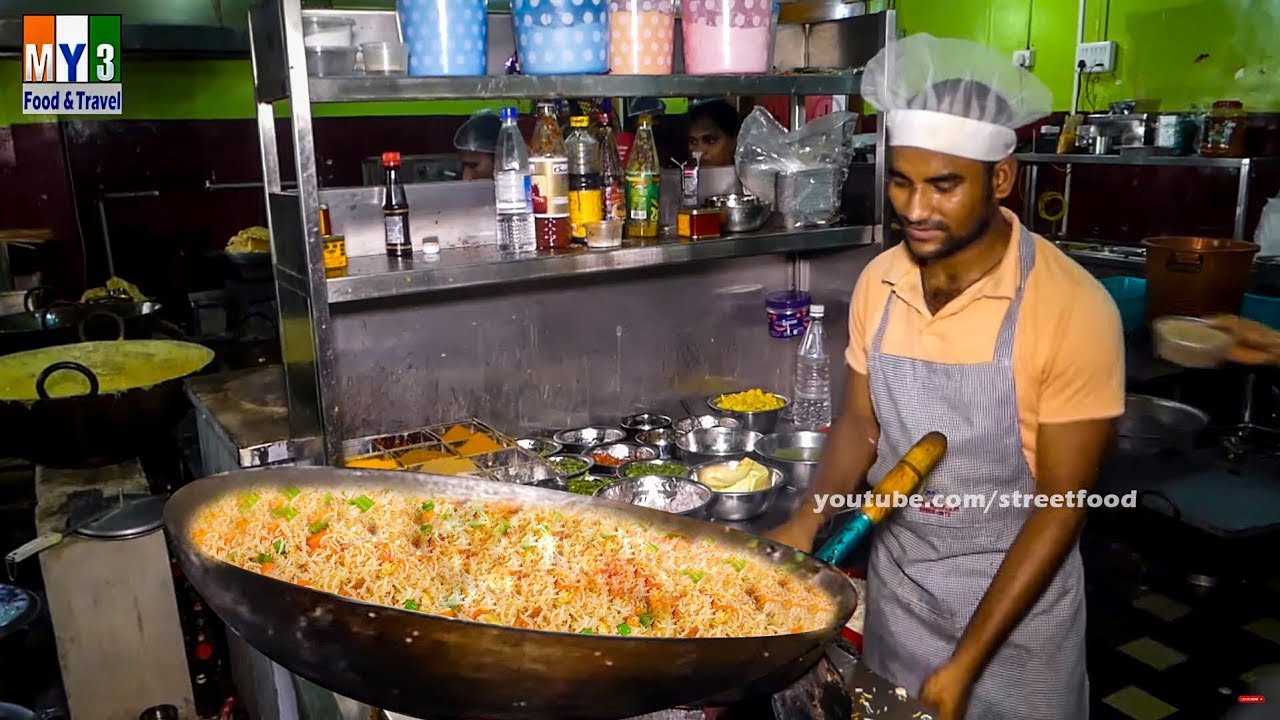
{"x": 1130, "y": 294}
{"x": 445, "y": 37}
{"x": 1261, "y": 308}
{"x": 562, "y": 37}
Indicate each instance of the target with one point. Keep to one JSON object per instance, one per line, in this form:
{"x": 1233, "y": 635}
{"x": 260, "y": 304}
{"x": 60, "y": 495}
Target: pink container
{"x": 642, "y": 36}
{"x": 727, "y": 37}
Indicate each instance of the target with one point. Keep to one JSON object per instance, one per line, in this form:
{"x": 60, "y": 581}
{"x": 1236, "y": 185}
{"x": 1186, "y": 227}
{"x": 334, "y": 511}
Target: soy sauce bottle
{"x": 395, "y": 209}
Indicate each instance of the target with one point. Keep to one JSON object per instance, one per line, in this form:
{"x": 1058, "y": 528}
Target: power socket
{"x": 1096, "y": 57}
{"x": 1024, "y": 58}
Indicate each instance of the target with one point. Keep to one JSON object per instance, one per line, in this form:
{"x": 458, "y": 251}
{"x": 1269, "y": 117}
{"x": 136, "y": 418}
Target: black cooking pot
{"x": 62, "y": 323}
{"x": 16, "y": 302}
{"x": 103, "y": 425}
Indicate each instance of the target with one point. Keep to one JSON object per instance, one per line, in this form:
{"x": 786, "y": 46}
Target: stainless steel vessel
{"x": 430, "y": 666}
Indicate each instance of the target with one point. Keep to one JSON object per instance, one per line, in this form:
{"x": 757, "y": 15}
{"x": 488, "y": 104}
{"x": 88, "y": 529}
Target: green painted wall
{"x": 1160, "y": 41}
{"x": 1160, "y": 45}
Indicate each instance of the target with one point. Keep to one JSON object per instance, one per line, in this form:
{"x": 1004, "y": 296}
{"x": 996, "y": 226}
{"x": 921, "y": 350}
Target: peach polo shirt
{"x": 1068, "y": 350}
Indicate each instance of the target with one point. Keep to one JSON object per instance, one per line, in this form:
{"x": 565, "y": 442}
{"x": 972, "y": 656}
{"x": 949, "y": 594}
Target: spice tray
{"x": 466, "y": 448}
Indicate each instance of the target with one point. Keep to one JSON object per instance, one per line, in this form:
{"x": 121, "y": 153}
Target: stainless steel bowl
{"x": 644, "y": 422}
{"x": 579, "y": 440}
{"x": 763, "y": 421}
{"x": 599, "y": 480}
{"x": 643, "y": 468}
{"x": 623, "y": 452}
{"x": 695, "y": 422}
{"x": 566, "y": 475}
{"x": 736, "y": 506}
{"x": 740, "y": 213}
{"x": 801, "y": 463}
{"x": 541, "y": 446}
{"x": 663, "y": 440}
{"x": 674, "y": 495}
{"x": 716, "y": 444}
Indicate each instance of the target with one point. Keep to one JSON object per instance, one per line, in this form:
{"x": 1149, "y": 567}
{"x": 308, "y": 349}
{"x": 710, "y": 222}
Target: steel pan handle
{"x": 30, "y": 549}
{"x": 35, "y": 295}
{"x": 84, "y": 323}
{"x": 65, "y": 365}
{"x": 1185, "y": 262}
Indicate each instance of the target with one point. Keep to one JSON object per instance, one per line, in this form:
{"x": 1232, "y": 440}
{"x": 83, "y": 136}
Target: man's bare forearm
{"x": 1028, "y": 568}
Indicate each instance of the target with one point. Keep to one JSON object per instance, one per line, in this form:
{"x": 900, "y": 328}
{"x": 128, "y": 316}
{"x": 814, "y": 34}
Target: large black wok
{"x": 429, "y": 666}
{"x": 63, "y": 323}
{"x": 103, "y": 424}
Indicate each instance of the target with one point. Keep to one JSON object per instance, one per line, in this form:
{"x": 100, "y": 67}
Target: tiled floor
{"x": 1163, "y": 649}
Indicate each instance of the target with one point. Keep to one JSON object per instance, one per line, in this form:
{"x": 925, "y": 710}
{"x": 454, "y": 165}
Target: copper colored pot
{"x": 1196, "y": 276}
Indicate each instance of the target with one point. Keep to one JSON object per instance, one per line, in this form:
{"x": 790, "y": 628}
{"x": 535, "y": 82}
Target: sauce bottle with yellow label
{"x": 644, "y": 181}
{"x": 586, "y": 191}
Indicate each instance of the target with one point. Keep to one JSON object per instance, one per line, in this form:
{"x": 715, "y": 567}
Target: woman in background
{"x": 713, "y": 131}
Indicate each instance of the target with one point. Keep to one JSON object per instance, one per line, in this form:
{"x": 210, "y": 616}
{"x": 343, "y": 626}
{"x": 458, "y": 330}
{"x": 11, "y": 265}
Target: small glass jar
{"x": 1224, "y": 130}
{"x": 788, "y": 312}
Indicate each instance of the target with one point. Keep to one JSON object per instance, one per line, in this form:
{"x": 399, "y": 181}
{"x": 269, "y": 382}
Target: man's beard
{"x": 953, "y": 244}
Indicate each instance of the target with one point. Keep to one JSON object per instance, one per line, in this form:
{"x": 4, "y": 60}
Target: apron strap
{"x": 1004, "y": 341}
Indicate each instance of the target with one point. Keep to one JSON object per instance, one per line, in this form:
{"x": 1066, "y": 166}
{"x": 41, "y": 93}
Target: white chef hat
{"x": 953, "y": 96}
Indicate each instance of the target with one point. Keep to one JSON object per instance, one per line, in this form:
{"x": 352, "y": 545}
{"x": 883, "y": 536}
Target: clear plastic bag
{"x": 800, "y": 173}
{"x": 1267, "y": 236}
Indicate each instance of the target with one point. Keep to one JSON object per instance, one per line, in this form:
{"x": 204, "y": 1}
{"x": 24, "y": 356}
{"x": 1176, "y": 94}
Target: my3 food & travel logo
{"x": 71, "y": 65}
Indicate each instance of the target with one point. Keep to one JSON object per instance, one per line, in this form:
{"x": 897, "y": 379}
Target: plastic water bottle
{"x": 512, "y": 187}
{"x": 811, "y": 405}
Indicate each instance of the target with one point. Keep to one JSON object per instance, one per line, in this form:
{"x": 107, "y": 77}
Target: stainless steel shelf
{"x": 1153, "y": 161}
{"x": 374, "y": 277}
{"x": 374, "y": 89}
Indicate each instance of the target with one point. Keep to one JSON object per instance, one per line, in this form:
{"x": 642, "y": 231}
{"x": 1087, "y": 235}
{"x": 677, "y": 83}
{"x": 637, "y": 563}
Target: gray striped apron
{"x": 930, "y": 568}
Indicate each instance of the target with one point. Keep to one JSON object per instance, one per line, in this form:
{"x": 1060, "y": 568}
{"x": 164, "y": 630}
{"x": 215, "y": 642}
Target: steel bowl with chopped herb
{"x": 665, "y": 468}
{"x": 589, "y": 484}
{"x": 570, "y": 466}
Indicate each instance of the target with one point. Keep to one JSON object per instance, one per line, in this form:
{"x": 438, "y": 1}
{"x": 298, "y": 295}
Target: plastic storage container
{"x": 331, "y": 61}
{"x": 562, "y": 37}
{"x": 642, "y": 36}
{"x": 788, "y": 312}
{"x": 1130, "y": 294}
{"x": 445, "y": 37}
{"x": 385, "y": 58}
{"x": 727, "y": 37}
{"x": 327, "y": 31}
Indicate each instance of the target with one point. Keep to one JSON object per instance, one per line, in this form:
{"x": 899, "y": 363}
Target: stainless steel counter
{"x": 240, "y": 419}
{"x": 378, "y": 276}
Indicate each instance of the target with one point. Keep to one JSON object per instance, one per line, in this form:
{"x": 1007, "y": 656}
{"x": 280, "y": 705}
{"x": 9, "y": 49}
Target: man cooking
{"x": 477, "y": 141}
{"x": 980, "y": 329}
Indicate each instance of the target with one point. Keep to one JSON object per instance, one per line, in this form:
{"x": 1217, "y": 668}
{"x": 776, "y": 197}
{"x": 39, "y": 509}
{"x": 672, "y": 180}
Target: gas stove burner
{"x": 1248, "y": 440}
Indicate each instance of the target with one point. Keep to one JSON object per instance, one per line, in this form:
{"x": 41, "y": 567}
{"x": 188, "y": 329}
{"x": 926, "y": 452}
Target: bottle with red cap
{"x": 395, "y": 209}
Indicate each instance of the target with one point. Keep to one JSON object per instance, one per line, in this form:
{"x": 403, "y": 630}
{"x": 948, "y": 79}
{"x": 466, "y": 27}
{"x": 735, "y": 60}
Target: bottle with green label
{"x": 644, "y": 183}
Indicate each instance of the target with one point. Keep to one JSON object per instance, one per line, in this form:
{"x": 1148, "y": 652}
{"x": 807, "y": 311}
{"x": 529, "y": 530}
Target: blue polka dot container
{"x": 445, "y": 37}
{"x": 562, "y": 37}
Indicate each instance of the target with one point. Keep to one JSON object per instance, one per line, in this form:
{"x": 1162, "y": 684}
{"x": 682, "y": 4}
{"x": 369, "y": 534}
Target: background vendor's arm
{"x": 850, "y": 446}
{"x": 1081, "y": 395}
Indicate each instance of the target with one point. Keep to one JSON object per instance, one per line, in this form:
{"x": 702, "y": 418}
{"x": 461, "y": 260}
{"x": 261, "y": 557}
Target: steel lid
{"x": 133, "y": 519}
{"x": 17, "y": 608}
